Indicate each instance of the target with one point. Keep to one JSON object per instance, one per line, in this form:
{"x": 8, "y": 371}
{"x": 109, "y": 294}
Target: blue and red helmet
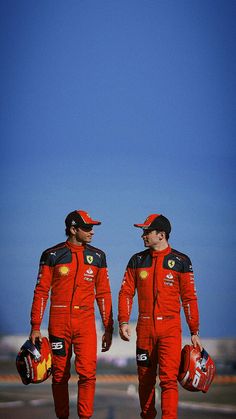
{"x": 34, "y": 362}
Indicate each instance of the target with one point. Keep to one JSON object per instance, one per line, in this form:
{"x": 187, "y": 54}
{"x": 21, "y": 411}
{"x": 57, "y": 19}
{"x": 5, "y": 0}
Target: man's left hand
{"x": 196, "y": 341}
{"x": 106, "y": 341}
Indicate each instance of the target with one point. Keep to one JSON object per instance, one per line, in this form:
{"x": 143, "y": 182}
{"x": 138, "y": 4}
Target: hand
{"x": 196, "y": 341}
{"x": 35, "y": 335}
{"x": 125, "y": 331}
{"x": 106, "y": 341}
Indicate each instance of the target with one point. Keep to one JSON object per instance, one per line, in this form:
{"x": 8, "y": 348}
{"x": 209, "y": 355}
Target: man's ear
{"x": 161, "y": 235}
{"x": 72, "y": 230}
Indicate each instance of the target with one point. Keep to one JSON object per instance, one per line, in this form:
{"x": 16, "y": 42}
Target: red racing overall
{"x": 161, "y": 279}
{"x": 76, "y": 275}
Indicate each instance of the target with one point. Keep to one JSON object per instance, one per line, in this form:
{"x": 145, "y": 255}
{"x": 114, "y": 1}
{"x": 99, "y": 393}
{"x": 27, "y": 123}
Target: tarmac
{"x": 116, "y": 398}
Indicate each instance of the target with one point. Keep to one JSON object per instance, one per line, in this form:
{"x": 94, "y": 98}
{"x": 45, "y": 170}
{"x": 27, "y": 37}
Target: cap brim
{"x": 95, "y": 223}
{"x": 92, "y": 224}
{"x": 140, "y": 225}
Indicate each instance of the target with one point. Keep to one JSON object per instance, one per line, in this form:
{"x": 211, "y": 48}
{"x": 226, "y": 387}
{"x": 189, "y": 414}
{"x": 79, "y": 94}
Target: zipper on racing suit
{"x": 75, "y": 285}
{"x": 155, "y": 288}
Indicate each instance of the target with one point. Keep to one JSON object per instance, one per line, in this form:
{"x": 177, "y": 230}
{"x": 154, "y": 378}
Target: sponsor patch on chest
{"x": 143, "y": 274}
{"x": 89, "y": 275}
{"x": 169, "y": 280}
{"x": 171, "y": 263}
{"x": 89, "y": 259}
{"x": 64, "y": 270}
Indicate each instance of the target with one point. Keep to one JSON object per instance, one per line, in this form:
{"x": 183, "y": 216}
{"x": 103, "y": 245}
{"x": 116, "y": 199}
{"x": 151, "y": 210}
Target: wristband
{"x": 195, "y": 333}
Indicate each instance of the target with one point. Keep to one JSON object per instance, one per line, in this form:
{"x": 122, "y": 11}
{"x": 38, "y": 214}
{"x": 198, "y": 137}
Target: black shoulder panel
{"x": 177, "y": 261}
{"x": 140, "y": 260}
{"x": 94, "y": 256}
{"x": 56, "y": 255}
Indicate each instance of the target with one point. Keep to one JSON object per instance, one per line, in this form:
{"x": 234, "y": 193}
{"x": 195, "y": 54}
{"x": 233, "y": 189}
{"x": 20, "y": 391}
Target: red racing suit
{"x": 76, "y": 276}
{"x": 161, "y": 278}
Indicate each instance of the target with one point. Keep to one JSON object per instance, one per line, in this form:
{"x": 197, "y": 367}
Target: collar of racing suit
{"x": 156, "y": 253}
{"x": 74, "y": 247}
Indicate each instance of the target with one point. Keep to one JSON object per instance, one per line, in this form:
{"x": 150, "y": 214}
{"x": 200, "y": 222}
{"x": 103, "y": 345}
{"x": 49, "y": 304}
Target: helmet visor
{"x": 30, "y": 347}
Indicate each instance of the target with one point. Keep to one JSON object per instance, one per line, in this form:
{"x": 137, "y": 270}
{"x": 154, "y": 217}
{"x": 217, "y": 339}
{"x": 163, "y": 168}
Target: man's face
{"x": 84, "y": 235}
{"x": 150, "y": 238}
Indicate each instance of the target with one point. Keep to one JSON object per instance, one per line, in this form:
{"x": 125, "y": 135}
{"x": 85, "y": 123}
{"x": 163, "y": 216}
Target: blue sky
{"x": 122, "y": 108}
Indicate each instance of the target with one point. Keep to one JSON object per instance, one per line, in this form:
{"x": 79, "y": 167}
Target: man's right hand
{"x": 35, "y": 335}
{"x": 125, "y": 331}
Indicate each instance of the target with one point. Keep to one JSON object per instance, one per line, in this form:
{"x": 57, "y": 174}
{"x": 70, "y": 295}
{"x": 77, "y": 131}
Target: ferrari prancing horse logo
{"x": 89, "y": 259}
{"x": 171, "y": 263}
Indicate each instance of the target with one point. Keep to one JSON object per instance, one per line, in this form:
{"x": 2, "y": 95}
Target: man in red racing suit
{"x": 76, "y": 274}
{"x": 161, "y": 276}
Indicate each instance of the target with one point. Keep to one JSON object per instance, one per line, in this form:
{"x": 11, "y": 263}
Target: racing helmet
{"x": 197, "y": 369}
{"x": 34, "y": 362}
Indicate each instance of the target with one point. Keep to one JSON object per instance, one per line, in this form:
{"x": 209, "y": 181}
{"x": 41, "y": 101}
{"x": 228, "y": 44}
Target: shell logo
{"x": 64, "y": 270}
{"x": 143, "y": 274}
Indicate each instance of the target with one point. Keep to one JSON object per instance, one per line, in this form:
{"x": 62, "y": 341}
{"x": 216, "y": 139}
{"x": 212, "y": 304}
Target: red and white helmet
{"x": 197, "y": 369}
{"x": 34, "y": 362}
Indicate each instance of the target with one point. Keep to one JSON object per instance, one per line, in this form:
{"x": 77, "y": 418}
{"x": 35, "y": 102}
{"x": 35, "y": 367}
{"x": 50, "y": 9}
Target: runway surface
{"x": 115, "y": 399}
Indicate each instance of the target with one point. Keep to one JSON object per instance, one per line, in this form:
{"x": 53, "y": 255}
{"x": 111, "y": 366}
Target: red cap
{"x": 80, "y": 218}
{"x": 156, "y": 222}
{"x": 148, "y": 221}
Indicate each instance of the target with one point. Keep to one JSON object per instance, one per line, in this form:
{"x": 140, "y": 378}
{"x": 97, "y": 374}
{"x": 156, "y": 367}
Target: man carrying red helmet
{"x": 76, "y": 274}
{"x": 162, "y": 276}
